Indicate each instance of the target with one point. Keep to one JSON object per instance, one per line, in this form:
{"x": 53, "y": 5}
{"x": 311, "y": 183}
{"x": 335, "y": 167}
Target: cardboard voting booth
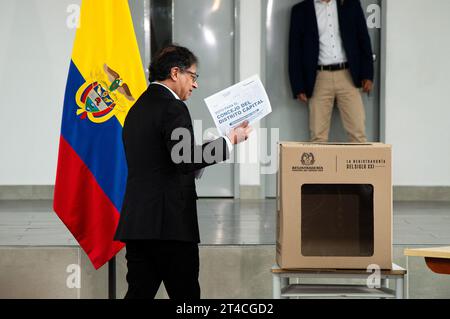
{"x": 334, "y": 206}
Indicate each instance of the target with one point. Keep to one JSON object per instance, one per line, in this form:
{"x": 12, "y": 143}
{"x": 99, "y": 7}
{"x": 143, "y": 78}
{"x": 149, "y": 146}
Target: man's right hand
{"x": 240, "y": 133}
{"x": 302, "y": 98}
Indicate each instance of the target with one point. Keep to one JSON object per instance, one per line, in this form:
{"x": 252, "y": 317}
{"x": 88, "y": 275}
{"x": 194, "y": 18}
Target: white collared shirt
{"x": 227, "y": 139}
{"x": 331, "y": 48}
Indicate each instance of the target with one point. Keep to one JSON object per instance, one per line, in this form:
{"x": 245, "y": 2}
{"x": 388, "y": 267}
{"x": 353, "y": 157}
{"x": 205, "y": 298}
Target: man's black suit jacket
{"x": 304, "y": 44}
{"x": 160, "y": 198}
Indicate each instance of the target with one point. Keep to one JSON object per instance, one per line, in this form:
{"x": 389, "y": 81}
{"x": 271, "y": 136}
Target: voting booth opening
{"x": 334, "y": 206}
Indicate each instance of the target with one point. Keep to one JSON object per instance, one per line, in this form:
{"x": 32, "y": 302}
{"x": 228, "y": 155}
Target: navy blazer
{"x": 304, "y": 44}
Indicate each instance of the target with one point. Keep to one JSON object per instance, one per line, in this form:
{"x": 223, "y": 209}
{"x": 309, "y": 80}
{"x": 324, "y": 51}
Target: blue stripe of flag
{"x": 98, "y": 145}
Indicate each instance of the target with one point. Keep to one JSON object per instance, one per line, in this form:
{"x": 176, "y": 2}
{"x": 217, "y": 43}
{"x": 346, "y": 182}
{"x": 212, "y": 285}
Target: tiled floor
{"x": 222, "y": 222}
{"x": 230, "y": 229}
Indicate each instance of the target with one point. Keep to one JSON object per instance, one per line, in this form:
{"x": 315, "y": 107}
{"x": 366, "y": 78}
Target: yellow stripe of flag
{"x": 106, "y": 36}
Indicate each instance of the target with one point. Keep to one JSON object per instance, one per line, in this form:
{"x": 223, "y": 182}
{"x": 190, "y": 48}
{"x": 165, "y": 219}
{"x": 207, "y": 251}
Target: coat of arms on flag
{"x": 98, "y": 100}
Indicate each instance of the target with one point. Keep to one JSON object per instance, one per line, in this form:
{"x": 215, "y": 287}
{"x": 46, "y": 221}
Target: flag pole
{"x": 112, "y": 278}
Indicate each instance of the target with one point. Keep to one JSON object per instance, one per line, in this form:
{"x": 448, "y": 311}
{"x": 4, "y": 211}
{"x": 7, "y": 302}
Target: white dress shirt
{"x": 331, "y": 48}
{"x": 227, "y": 139}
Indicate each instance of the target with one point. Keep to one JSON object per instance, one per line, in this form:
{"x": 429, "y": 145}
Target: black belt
{"x": 333, "y": 67}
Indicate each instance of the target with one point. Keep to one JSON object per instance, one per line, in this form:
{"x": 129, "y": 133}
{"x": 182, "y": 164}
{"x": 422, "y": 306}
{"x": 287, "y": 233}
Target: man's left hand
{"x": 367, "y": 86}
{"x": 240, "y": 133}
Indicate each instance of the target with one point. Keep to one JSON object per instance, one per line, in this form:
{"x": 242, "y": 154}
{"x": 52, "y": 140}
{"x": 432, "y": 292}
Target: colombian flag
{"x": 105, "y": 78}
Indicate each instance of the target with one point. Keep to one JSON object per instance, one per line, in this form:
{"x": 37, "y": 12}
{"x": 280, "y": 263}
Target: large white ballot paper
{"x": 246, "y": 100}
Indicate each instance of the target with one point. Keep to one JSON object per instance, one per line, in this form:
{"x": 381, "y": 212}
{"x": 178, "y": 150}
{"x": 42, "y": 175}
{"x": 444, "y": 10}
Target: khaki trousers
{"x": 330, "y": 86}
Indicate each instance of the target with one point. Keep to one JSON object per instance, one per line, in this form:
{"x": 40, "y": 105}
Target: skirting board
{"x": 401, "y": 193}
{"x": 421, "y": 193}
{"x": 250, "y": 192}
{"x": 26, "y": 192}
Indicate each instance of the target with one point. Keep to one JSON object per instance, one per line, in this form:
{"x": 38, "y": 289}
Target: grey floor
{"x": 237, "y": 252}
{"x": 222, "y": 222}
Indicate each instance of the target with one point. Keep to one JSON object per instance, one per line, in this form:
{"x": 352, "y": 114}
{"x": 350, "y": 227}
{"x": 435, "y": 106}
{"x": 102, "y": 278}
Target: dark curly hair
{"x": 168, "y": 57}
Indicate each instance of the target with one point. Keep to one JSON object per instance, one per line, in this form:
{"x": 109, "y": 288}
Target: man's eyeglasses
{"x": 193, "y": 75}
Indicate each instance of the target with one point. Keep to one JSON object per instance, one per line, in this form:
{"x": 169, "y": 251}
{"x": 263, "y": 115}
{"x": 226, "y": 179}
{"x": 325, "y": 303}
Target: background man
{"x": 158, "y": 220}
{"x": 330, "y": 57}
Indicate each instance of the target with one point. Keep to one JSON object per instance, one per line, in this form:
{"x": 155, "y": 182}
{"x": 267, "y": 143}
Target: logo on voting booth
{"x": 308, "y": 159}
{"x": 98, "y": 100}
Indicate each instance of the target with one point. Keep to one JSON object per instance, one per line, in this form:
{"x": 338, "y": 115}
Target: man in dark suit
{"x": 330, "y": 57}
{"x": 158, "y": 220}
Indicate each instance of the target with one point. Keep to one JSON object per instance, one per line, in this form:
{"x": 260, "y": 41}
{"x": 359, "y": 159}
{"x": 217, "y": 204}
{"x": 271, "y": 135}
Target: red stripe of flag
{"x": 84, "y": 208}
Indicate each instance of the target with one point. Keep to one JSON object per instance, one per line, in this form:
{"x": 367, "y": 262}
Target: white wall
{"x": 250, "y": 64}
{"x": 418, "y": 91}
{"x": 36, "y": 50}
{"x": 35, "y": 53}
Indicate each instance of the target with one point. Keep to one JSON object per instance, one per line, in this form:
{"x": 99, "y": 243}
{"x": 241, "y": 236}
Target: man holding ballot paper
{"x": 244, "y": 101}
{"x": 158, "y": 221}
